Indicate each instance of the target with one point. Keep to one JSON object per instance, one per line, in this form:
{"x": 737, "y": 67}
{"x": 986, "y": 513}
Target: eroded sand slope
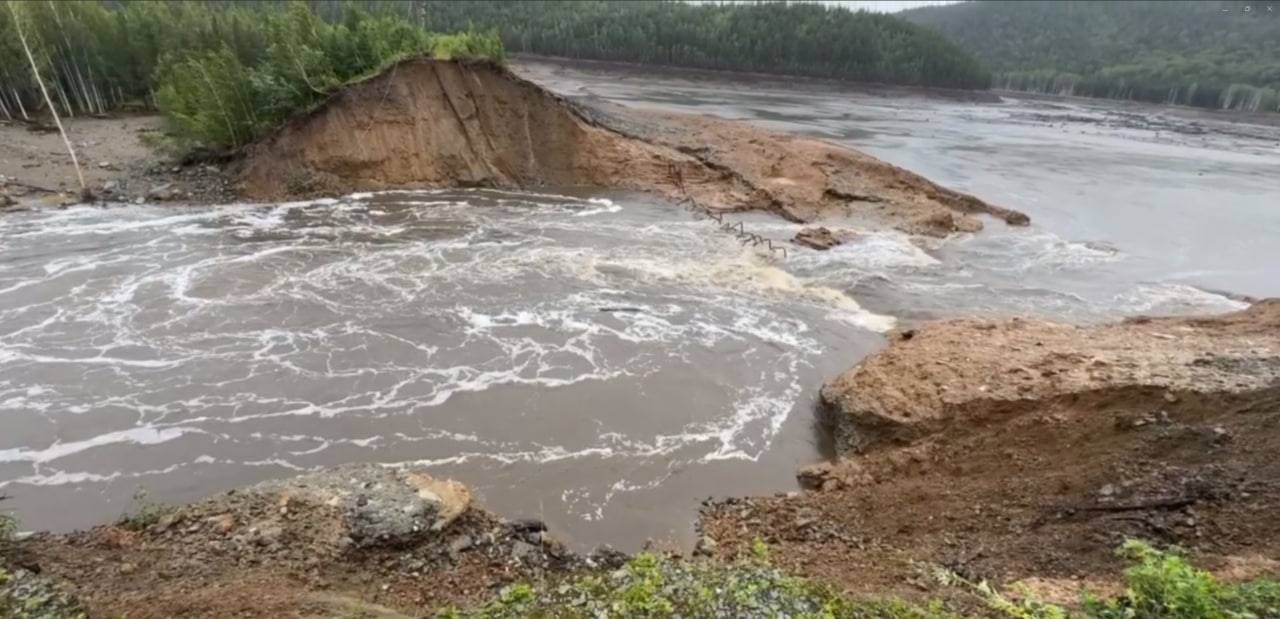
{"x": 426, "y": 123}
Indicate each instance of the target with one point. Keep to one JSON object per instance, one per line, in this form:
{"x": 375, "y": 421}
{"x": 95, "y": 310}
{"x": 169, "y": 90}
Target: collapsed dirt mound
{"x": 808, "y": 179}
{"x": 426, "y": 123}
{"x": 1031, "y": 450}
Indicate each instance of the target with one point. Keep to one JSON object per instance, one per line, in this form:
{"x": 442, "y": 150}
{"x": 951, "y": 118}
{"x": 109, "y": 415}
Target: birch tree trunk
{"x": 17, "y": 25}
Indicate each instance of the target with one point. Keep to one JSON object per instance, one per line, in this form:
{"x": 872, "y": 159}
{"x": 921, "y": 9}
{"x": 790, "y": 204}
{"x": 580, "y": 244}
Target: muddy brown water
{"x": 603, "y": 361}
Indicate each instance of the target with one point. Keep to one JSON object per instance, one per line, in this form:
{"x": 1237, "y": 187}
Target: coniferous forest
{"x": 796, "y": 39}
{"x": 1202, "y": 53}
{"x": 225, "y": 72}
{"x": 222, "y": 72}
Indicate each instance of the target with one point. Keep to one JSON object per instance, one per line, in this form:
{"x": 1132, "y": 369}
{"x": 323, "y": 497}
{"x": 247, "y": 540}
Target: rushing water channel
{"x": 603, "y": 361}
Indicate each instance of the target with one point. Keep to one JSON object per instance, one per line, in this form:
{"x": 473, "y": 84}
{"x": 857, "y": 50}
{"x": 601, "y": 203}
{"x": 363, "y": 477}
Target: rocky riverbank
{"x": 1028, "y": 451}
{"x": 340, "y": 542}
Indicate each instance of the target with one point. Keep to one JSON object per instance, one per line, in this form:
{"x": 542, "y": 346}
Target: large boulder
{"x": 375, "y": 505}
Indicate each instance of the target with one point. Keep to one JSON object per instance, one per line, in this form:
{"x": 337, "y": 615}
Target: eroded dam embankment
{"x": 429, "y": 124}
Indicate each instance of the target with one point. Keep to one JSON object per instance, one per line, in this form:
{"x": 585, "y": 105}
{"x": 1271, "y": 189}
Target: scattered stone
{"x": 460, "y": 543}
{"x": 842, "y": 192}
{"x": 223, "y": 524}
{"x": 267, "y": 535}
{"x": 164, "y": 523}
{"x": 105, "y": 165}
{"x": 522, "y": 550}
{"x": 376, "y": 505}
{"x": 525, "y": 525}
{"x": 706, "y": 546}
{"x": 607, "y": 557}
{"x": 162, "y": 192}
{"x": 821, "y": 238}
{"x": 450, "y": 497}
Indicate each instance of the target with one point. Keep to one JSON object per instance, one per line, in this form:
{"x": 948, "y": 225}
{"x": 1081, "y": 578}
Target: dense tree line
{"x": 1205, "y": 53}
{"x": 223, "y": 73}
{"x": 797, "y": 38}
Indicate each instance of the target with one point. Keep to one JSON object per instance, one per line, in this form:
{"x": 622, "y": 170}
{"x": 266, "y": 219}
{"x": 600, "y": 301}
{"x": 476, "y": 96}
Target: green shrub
{"x": 8, "y": 528}
{"x": 1162, "y": 585}
{"x": 651, "y": 586}
{"x": 147, "y": 513}
{"x": 1159, "y": 585}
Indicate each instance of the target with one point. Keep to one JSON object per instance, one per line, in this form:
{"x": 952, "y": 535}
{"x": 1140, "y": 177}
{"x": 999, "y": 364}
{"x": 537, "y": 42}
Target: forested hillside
{"x": 796, "y": 39}
{"x": 1190, "y": 53}
{"x": 224, "y": 73}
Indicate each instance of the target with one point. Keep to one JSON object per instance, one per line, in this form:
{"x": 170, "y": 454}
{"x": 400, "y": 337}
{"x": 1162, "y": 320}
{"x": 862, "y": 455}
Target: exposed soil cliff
{"x": 426, "y": 123}
{"x": 1030, "y": 450}
{"x": 951, "y": 375}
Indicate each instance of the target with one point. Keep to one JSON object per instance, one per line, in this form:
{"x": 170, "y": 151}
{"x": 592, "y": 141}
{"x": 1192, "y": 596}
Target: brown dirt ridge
{"x": 1028, "y": 450}
{"x": 357, "y": 540}
{"x": 426, "y": 123}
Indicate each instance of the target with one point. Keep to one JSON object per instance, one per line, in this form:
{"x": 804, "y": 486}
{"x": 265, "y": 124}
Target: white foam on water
{"x": 1168, "y": 298}
{"x": 376, "y": 315}
{"x": 602, "y": 206}
{"x": 137, "y": 436}
{"x": 1034, "y": 250}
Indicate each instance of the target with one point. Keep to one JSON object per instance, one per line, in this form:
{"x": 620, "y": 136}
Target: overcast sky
{"x": 884, "y": 6}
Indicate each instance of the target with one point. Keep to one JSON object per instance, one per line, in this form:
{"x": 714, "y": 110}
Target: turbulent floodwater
{"x": 1145, "y": 207}
{"x": 602, "y": 361}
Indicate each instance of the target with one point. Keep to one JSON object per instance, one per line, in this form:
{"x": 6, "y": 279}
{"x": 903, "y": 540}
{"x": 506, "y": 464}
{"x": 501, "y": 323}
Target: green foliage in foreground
{"x": 26, "y": 596}
{"x": 1160, "y": 585}
{"x": 1164, "y": 585}
{"x": 650, "y": 586}
{"x": 147, "y": 514}
{"x": 224, "y": 72}
{"x": 8, "y": 527}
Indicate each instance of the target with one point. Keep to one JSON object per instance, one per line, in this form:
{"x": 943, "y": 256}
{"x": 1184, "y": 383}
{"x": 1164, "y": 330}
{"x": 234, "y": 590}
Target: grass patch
{"x": 8, "y": 529}
{"x": 651, "y": 586}
{"x": 147, "y": 513}
{"x": 1160, "y": 584}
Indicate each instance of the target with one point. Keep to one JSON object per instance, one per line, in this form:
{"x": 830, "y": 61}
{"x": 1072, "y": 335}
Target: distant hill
{"x": 773, "y": 37}
{"x": 1190, "y": 53}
